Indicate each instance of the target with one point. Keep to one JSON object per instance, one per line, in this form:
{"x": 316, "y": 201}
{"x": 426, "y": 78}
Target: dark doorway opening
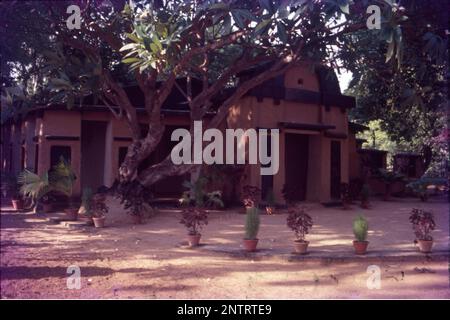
{"x": 335, "y": 174}
{"x": 296, "y": 163}
{"x": 93, "y": 135}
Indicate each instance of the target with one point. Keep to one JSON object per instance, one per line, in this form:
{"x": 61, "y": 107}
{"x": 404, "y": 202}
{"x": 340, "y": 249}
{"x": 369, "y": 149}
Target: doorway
{"x": 296, "y": 164}
{"x": 93, "y": 136}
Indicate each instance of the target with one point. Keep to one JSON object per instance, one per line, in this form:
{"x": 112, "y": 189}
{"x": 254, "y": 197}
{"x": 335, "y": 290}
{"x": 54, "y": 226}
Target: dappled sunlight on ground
{"x": 152, "y": 260}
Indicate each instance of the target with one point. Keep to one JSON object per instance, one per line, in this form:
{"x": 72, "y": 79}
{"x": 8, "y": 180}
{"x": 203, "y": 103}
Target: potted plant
{"x": 388, "y": 178}
{"x": 365, "y": 192}
{"x": 194, "y": 219}
{"x": 16, "y": 197}
{"x": 40, "y": 188}
{"x": 99, "y": 209}
{"x": 300, "y": 222}
{"x": 345, "y": 196}
{"x": 252, "y": 222}
{"x": 360, "y": 229}
{"x": 423, "y": 224}
{"x": 134, "y": 196}
{"x": 34, "y": 186}
{"x": 270, "y": 200}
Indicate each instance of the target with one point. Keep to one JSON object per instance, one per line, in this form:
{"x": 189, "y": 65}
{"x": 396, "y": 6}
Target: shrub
{"x": 252, "y": 222}
{"x": 299, "y": 221}
{"x": 423, "y": 223}
{"x": 198, "y": 197}
{"x": 360, "y": 228}
{"x": 194, "y": 219}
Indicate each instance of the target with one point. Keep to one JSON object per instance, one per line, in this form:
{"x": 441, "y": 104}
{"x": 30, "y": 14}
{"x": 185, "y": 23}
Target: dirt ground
{"x": 152, "y": 260}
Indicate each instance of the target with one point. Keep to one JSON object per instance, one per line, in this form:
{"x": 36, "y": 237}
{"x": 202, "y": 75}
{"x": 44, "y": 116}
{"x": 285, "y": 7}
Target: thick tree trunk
{"x": 138, "y": 151}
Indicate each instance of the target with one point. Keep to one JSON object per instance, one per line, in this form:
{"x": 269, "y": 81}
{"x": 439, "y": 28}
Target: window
{"x": 56, "y": 152}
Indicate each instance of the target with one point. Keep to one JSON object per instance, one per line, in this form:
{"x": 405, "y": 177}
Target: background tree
{"x": 408, "y": 94}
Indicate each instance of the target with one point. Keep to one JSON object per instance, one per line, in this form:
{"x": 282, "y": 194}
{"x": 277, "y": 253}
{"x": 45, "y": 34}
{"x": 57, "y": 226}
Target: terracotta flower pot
{"x": 46, "y": 207}
{"x": 194, "y": 239}
{"x": 301, "y": 246}
{"x": 17, "y": 204}
{"x": 360, "y": 246}
{"x": 270, "y": 210}
{"x": 71, "y": 213}
{"x": 137, "y": 219}
{"x": 99, "y": 222}
{"x": 250, "y": 244}
{"x": 425, "y": 245}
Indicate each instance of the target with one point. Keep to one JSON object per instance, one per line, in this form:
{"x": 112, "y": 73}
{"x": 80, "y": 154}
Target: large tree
{"x": 154, "y": 43}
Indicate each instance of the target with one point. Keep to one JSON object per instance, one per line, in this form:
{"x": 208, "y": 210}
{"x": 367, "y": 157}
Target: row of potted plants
{"x": 300, "y": 222}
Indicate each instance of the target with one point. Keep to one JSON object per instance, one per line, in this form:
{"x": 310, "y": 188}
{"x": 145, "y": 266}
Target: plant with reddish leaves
{"x": 194, "y": 219}
{"x": 423, "y": 223}
{"x": 299, "y": 221}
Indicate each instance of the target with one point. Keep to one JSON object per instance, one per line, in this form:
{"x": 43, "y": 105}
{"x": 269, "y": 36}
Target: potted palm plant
{"x": 99, "y": 209}
{"x": 360, "y": 229}
{"x": 35, "y": 187}
{"x": 300, "y": 222}
{"x": 194, "y": 219}
{"x": 423, "y": 224}
{"x": 252, "y": 221}
{"x": 365, "y": 192}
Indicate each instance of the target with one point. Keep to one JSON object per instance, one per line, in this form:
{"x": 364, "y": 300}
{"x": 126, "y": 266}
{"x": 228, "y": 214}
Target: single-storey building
{"x": 306, "y": 105}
